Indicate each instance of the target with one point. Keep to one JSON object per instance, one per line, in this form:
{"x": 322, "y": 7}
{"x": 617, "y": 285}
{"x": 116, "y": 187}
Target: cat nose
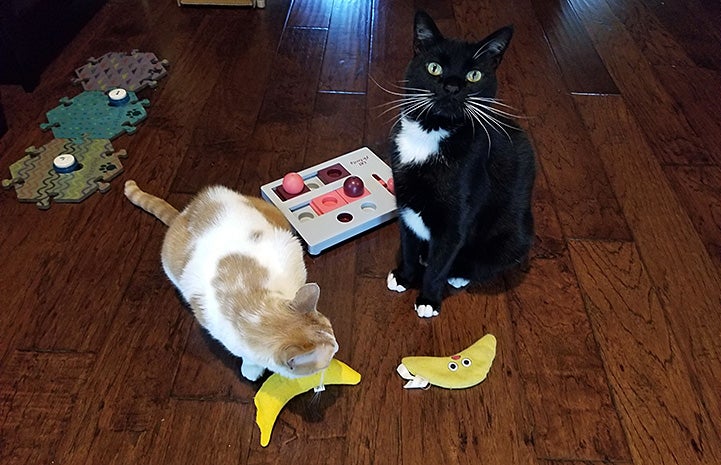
{"x": 452, "y": 85}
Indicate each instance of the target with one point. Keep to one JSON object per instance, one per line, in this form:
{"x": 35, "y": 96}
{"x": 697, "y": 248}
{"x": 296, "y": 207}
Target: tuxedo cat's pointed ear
{"x": 426, "y": 32}
{"x": 495, "y": 45}
{"x": 306, "y": 299}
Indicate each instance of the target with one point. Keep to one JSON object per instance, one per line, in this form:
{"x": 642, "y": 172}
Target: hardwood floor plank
{"x": 694, "y": 90}
{"x": 675, "y": 258}
{"x": 193, "y": 433}
{"x": 204, "y": 165}
{"x": 571, "y": 411}
{"x": 288, "y": 105}
{"x": 699, "y": 36}
{"x": 310, "y": 14}
{"x": 133, "y": 376}
{"x": 231, "y": 106}
{"x": 345, "y": 63}
{"x": 648, "y": 372}
{"x": 122, "y": 374}
{"x": 654, "y": 40}
{"x": 469, "y": 424}
{"x": 672, "y": 137}
{"x": 699, "y": 191}
{"x": 209, "y": 372}
{"x": 38, "y": 391}
{"x": 390, "y": 51}
{"x": 584, "y": 201}
{"x": 337, "y": 127}
{"x": 582, "y": 69}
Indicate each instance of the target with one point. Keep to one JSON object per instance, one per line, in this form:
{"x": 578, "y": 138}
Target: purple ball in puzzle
{"x": 353, "y": 186}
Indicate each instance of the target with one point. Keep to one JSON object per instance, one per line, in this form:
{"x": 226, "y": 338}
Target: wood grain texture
{"x": 584, "y": 202}
{"x": 38, "y": 391}
{"x": 345, "y": 63}
{"x": 670, "y": 134}
{"x": 583, "y": 70}
{"x": 608, "y": 348}
{"x": 674, "y": 255}
{"x": 648, "y": 371}
{"x": 699, "y": 191}
{"x": 571, "y": 412}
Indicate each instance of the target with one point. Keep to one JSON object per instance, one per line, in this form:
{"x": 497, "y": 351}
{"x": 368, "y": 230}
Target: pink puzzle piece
{"x": 327, "y": 202}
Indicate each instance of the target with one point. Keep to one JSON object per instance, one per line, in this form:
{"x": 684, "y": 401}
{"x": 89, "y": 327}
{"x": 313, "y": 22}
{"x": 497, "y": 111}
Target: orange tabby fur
{"x": 236, "y": 262}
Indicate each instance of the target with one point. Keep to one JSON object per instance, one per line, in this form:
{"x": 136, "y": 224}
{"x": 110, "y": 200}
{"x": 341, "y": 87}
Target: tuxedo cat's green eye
{"x": 474, "y": 76}
{"x": 434, "y": 69}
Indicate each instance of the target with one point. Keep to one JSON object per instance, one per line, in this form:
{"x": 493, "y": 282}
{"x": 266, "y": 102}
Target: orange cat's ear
{"x": 306, "y": 299}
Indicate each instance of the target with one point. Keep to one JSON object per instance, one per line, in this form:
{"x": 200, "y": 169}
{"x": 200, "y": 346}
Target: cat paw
{"x": 458, "y": 283}
{"x": 393, "y": 283}
{"x": 251, "y": 372}
{"x": 427, "y": 309}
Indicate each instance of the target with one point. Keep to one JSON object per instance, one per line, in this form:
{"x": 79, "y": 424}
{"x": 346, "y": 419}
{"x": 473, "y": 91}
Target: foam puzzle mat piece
{"x": 90, "y": 115}
{"x": 36, "y": 178}
{"x": 132, "y": 71}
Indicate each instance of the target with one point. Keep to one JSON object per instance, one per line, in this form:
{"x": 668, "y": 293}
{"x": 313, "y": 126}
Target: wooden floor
{"x": 609, "y": 347}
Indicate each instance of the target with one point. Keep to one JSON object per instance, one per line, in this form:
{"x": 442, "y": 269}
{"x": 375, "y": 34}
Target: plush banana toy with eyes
{"x": 459, "y": 371}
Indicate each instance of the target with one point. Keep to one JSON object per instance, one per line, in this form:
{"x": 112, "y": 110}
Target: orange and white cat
{"x": 240, "y": 268}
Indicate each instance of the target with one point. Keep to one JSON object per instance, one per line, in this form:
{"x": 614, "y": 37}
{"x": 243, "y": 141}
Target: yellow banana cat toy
{"x": 276, "y": 391}
{"x": 459, "y": 371}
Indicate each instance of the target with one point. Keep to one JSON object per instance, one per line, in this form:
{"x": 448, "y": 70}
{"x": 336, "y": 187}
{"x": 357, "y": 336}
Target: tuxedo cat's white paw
{"x": 251, "y": 372}
{"x": 458, "y": 282}
{"x": 393, "y": 284}
{"x": 425, "y": 311}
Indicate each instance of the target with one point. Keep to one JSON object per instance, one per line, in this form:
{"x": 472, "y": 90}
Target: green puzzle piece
{"x": 90, "y": 114}
{"x": 36, "y": 180}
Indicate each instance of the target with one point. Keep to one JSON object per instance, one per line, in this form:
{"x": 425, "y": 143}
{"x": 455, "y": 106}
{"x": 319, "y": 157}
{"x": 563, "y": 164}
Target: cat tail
{"x": 150, "y": 203}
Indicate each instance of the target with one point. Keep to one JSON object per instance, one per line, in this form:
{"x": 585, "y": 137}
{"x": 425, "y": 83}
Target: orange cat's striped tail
{"x": 150, "y": 203}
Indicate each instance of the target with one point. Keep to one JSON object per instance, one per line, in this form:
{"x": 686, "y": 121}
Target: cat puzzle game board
{"x": 335, "y": 200}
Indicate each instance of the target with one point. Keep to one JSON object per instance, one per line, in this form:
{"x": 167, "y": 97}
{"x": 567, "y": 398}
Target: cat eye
{"x": 474, "y": 76}
{"x": 466, "y": 362}
{"x": 434, "y": 68}
{"x": 453, "y": 366}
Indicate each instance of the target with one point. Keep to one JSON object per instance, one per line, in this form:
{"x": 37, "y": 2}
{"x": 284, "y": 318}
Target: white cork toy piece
{"x": 322, "y": 214}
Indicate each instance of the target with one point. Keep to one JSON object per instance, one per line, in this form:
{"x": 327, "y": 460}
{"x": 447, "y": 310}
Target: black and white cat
{"x": 463, "y": 170}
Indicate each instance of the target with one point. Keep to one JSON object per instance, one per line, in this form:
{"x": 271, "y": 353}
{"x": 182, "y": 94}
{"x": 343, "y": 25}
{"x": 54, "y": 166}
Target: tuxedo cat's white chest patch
{"x": 415, "y": 223}
{"x": 416, "y": 145}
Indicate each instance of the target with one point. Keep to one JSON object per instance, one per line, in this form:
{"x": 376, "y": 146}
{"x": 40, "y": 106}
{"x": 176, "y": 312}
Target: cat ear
{"x": 426, "y": 32}
{"x": 306, "y": 298}
{"x": 495, "y": 45}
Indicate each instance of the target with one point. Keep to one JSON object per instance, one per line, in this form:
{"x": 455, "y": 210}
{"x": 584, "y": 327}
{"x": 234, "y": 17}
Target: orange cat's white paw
{"x": 393, "y": 283}
{"x": 251, "y": 372}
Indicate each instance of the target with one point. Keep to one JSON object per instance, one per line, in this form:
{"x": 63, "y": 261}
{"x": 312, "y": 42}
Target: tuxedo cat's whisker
{"x": 499, "y": 103}
{"x": 496, "y": 110}
{"x": 423, "y": 105}
{"x": 400, "y": 94}
{"x": 480, "y": 117}
{"x": 475, "y": 118}
{"x": 493, "y": 122}
{"x": 400, "y": 103}
{"x": 492, "y": 110}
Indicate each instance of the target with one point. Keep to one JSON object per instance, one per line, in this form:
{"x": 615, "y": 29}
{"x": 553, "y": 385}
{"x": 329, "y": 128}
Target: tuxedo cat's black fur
{"x": 463, "y": 170}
